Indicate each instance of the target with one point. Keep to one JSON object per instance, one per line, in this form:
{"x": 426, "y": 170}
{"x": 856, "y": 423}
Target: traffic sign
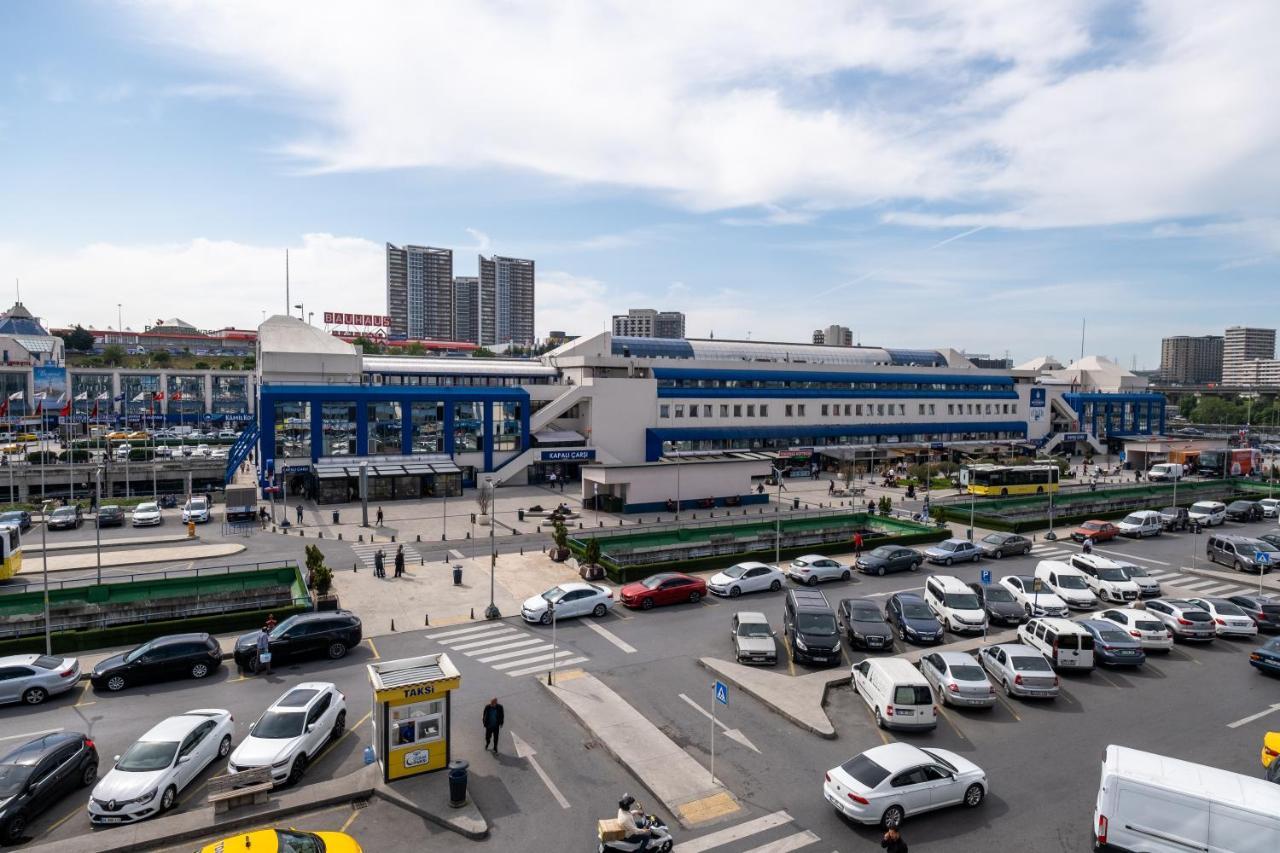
{"x": 1262, "y": 558}
{"x": 722, "y": 693}
{"x": 986, "y": 576}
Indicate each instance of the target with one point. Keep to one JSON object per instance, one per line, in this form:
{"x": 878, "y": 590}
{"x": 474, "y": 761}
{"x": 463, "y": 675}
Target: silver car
{"x": 753, "y": 639}
{"x": 812, "y": 568}
{"x": 1184, "y": 620}
{"x": 1020, "y": 670}
{"x": 33, "y": 678}
{"x": 958, "y": 679}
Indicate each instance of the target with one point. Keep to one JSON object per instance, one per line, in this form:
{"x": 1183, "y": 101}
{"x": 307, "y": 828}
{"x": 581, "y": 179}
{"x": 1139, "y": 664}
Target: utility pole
{"x": 491, "y": 612}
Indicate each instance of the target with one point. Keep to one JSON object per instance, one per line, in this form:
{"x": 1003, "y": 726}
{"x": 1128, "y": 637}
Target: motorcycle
{"x": 659, "y": 839}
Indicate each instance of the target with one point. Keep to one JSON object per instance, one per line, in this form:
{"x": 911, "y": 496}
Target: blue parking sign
{"x": 986, "y": 576}
{"x": 722, "y": 693}
{"x": 1261, "y": 557}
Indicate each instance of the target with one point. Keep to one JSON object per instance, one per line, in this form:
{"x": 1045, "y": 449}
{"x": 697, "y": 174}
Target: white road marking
{"x": 542, "y": 667}
{"x": 734, "y": 833}
{"x": 732, "y": 734}
{"x": 31, "y": 734}
{"x": 612, "y": 637}
{"x": 489, "y": 640}
{"x": 1223, "y": 589}
{"x": 1129, "y": 556}
{"x": 791, "y": 842}
{"x": 559, "y": 653}
{"x": 523, "y": 750}
{"x": 459, "y": 631}
{"x": 1249, "y": 719}
{"x": 539, "y": 645}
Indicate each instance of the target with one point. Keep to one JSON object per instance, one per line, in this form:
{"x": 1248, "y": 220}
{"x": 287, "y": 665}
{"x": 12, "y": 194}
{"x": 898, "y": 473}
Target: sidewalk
{"x": 29, "y": 546}
{"x": 114, "y": 559}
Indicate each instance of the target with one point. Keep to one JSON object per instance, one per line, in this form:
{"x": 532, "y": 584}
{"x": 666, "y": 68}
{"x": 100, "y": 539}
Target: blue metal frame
{"x": 1109, "y": 408}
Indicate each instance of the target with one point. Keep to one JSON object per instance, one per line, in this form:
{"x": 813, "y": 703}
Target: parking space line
{"x": 884, "y": 736}
{"x": 952, "y": 723}
{"x": 1100, "y": 674}
{"x": 791, "y": 661}
{"x": 376, "y": 656}
{"x": 344, "y": 736}
{"x": 31, "y": 734}
{"x": 612, "y": 637}
{"x": 1005, "y": 702}
{"x": 1184, "y": 656}
{"x": 346, "y": 824}
{"x": 1249, "y": 719}
{"x": 60, "y": 821}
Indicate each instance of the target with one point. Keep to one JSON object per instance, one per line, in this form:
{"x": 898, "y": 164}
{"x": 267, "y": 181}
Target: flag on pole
{"x": 119, "y": 398}
{"x": 159, "y": 395}
{"x": 17, "y": 395}
{"x": 94, "y": 413}
{"x": 65, "y": 411}
{"x": 83, "y": 395}
{"x": 138, "y": 399}
{"x": 4, "y": 409}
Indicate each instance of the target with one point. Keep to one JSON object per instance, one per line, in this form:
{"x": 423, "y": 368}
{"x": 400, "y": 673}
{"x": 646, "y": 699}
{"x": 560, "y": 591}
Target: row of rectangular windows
{"x": 832, "y": 384}
{"x": 783, "y": 443}
{"x": 832, "y": 410}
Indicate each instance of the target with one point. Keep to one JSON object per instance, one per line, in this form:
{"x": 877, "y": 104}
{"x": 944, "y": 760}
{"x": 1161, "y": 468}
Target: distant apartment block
{"x": 989, "y": 362}
{"x": 426, "y": 302}
{"x": 648, "y": 323}
{"x": 1249, "y": 356}
{"x": 466, "y": 309}
{"x": 1191, "y": 360}
{"x": 833, "y": 336}
{"x": 420, "y": 293}
{"x": 507, "y": 287}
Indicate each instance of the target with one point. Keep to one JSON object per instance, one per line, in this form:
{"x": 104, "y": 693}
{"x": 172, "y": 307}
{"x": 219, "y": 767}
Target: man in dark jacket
{"x": 400, "y": 561}
{"x": 893, "y": 842}
{"x": 493, "y": 718}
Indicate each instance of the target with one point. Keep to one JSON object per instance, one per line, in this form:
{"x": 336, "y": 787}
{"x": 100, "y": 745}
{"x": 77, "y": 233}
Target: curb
{"x": 796, "y": 721}
{"x": 463, "y": 827}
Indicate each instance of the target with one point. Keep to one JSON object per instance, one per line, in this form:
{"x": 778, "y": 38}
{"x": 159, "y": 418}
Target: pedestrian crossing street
{"x": 1186, "y": 583}
{"x": 365, "y": 551}
{"x": 785, "y": 836}
{"x": 506, "y": 648}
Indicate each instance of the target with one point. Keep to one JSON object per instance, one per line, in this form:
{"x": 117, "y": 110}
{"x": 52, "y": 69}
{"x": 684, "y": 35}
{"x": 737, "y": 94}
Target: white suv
{"x": 195, "y": 509}
{"x": 955, "y": 604}
{"x": 291, "y": 732}
{"x": 1107, "y": 578}
{"x": 1069, "y": 584}
{"x": 1208, "y": 513}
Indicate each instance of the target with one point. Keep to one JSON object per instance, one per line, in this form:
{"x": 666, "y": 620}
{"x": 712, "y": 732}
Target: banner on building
{"x": 50, "y": 381}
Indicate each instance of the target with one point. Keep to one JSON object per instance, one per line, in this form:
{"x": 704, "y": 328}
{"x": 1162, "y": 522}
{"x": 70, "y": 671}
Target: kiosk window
{"x": 417, "y": 723}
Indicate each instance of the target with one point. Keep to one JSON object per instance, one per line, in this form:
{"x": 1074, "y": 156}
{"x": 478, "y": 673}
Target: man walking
{"x": 857, "y": 544}
{"x": 379, "y": 570}
{"x": 379, "y": 516}
{"x": 493, "y": 718}
{"x": 299, "y": 515}
{"x": 264, "y": 650}
{"x": 399, "y": 561}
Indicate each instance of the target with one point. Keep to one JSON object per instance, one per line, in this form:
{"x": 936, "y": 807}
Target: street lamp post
{"x": 491, "y": 612}
{"x": 777, "y": 519}
{"x": 97, "y": 528}
{"x": 44, "y": 556}
{"x": 551, "y": 673}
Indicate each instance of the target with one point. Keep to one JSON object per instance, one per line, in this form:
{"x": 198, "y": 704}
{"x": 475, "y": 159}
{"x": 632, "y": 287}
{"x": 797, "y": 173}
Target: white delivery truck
{"x": 1167, "y": 471}
{"x": 1156, "y": 804}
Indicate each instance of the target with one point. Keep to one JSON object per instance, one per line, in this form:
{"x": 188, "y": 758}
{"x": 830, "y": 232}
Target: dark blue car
{"x": 912, "y": 619}
{"x": 1267, "y": 658}
{"x": 1112, "y": 646}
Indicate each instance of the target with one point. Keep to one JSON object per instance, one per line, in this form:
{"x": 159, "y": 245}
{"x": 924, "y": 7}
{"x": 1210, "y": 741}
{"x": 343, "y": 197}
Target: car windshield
{"x": 145, "y": 508}
{"x": 865, "y": 613}
{"x": 821, "y": 624}
{"x": 1112, "y": 575}
{"x": 654, "y": 581}
{"x": 1091, "y": 525}
{"x": 553, "y": 594}
{"x": 865, "y": 771}
{"x": 883, "y": 552}
{"x": 998, "y": 593}
{"x": 993, "y": 538}
{"x": 279, "y": 724}
{"x": 753, "y": 629}
{"x": 1030, "y": 664}
{"x": 278, "y": 631}
{"x": 138, "y": 652}
{"x": 64, "y": 511}
{"x": 949, "y": 546}
{"x": 10, "y": 516}
{"x": 146, "y": 756}
{"x": 915, "y": 610}
{"x": 734, "y": 571}
{"x": 1110, "y": 635}
{"x": 967, "y": 672}
{"x": 962, "y": 601}
{"x": 298, "y": 842}
{"x": 1071, "y": 582}
{"x": 13, "y": 778}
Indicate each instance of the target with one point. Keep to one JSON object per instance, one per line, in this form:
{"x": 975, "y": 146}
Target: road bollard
{"x": 393, "y": 624}
{"x": 419, "y": 537}
{"x": 473, "y": 613}
{"x": 393, "y": 539}
{"x": 360, "y": 537}
{"x": 353, "y": 567}
{"x": 426, "y": 620}
{"x": 339, "y": 536}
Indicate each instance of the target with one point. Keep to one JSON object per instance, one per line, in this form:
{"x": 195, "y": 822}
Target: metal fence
{"x": 163, "y": 574}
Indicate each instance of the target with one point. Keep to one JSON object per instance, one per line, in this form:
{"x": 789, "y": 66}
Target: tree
{"x": 847, "y": 470}
{"x": 161, "y": 359}
{"x": 78, "y": 339}
{"x": 415, "y": 348}
{"x": 249, "y": 362}
{"x": 1218, "y": 410}
{"x": 483, "y": 497}
{"x": 592, "y": 552}
{"x": 113, "y": 355}
{"x": 1187, "y": 405}
{"x": 886, "y": 505}
{"x": 226, "y": 364}
{"x": 319, "y": 576}
{"x": 483, "y": 352}
{"x": 201, "y": 365}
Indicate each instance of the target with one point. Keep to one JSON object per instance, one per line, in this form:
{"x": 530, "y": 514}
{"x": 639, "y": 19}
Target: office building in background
{"x": 648, "y": 323}
{"x": 420, "y": 293}
{"x": 1191, "y": 360}
{"x": 1248, "y": 356}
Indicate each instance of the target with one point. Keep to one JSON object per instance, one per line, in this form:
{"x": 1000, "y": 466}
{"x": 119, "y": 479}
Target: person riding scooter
{"x": 632, "y": 818}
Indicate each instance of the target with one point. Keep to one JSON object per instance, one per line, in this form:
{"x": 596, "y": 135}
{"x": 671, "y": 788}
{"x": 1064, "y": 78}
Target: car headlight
{"x": 145, "y": 798}
{"x": 800, "y": 643}
{"x": 910, "y": 630}
{"x": 279, "y": 765}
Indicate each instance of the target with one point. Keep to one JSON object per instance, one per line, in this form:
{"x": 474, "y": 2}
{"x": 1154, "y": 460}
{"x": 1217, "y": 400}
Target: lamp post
{"x": 491, "y": 612}
{"x": 44, "y": 556}
{"x": 551, "y": 673}
{"x": 97, "y": 528}
{"x": 777, "y": 518}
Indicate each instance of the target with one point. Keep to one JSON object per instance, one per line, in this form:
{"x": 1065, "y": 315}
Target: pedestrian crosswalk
{"x": 365, "y": 550}
{"x": 784, "y": 836}
{"x": 506, "y": 648}
{"x": 1185, "y": 582}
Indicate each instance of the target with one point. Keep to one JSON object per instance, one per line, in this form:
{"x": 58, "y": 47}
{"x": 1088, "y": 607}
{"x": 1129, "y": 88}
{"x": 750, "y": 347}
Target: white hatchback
{"x": 812, "y": 568}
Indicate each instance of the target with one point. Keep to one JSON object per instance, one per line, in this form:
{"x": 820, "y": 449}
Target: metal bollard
{"x": 393, "y": 624}
{"x": 419, "y": 537}
{"x": 353, "y": 567}
{"x": 339, "y": 536}
{"x": 360, "y": 537}
{"x": 426, "y": 619}
{"x": 393, "y": 539}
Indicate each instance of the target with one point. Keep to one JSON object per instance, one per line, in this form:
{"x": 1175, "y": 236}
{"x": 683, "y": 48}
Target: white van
{"x": 896, "y": 693}
{"x": 1068, "y": 583}
{"x": 1159, "y": 804}
{"x": 1208, "y": 513}
{"x": 1167, "y": 471}
{"x": 955, "y": 604}
{"x": 1109, "y": 579}
{"x": 1141, "y": 524}
{"x": 1063, "y": 642}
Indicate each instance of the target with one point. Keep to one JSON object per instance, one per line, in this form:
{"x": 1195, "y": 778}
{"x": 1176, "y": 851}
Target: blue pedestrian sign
{"x": 722, "y": 693}
{"x": 986, "y": 576}
{"x": 1262, "y": 558}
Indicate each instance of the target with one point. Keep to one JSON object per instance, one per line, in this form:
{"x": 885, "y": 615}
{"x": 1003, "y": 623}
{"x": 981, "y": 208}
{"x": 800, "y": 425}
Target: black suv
{"x": 328, "y": 633}
{"x": 110, "y": 516}
{"x": 1244, "y": 511}
{"x": 35, "y": 775}
{"x": 810, "y": 627}
{"x": 163, "y": 659}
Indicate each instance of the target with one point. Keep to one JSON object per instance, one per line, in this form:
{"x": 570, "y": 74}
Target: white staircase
{"x": 542, "y": 418}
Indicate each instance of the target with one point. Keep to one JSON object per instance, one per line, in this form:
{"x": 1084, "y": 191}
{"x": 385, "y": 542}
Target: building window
{"x": 664, "y": 411}
{"x": 800, "y": 409}
{"x": 848, "y": 409}
{"x": 787, "y": 410}
{"x": 506, "y": 426}
{"x": 737, "y": 410}
{"x": 931, "y": 408}
{"x": 384, "y": 428}
{"x": 293, "y": 430}
{"x": 427, "y": 418}
{"x": 902, "y": 409}
{"x": 468, "y": 427}
{"x": 724, "y": 410}
{"x": 988, "y": 408}
{"x": 706, "y": 410}
{"x": 339, "y": 428}
{"x": 951, "y": 408}
{"x": 880, "y": 409}
{"x": 1013, "y": 408}
{"x": 679, "y": 410}
{"x": 764, "y": 410}
{"x": 858, "y": 410}
{"x": 751, "y": 410}
{"x": 824, "y": 410}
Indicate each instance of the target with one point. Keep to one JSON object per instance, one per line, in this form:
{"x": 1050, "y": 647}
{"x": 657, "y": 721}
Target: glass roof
{"x": 763, "y": 351}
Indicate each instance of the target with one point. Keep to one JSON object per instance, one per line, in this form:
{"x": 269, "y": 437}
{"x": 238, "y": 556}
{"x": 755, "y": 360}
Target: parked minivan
{"x": 1141, "y": 524}
{"x": 1063, "y": 642}
{"x": 1208, "y": 513}
{"x": 1144, "y": 797}
{"x": 895, "y": 691}
{"x": 809, "y": 625}
{"x": 1166, "y": 471}
{"x": 1238, "y": 552}
{"x": 1068, "y": 583}
{"x": 955, "y": 604}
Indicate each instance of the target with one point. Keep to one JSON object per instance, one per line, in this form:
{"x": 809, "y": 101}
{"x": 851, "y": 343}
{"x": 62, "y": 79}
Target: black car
{"x": 889, "y": 558}
{"x": 1244, "y": 511}
{"x": 66, "y": 518}
{"x": 1004, "y": 545}
{"x": 864, "y": 624}
{"x": 163, "y": 659}
{"x": 19, "y": 517}
{"x": 998, "y": 604}
{"x": 110, "y": 516}
{"x": 912, "y": 618}
{"x": 1174, "y": 518}
{"x": 1272, "y": 538}
{"x": 327, "y": 633}
{"x": 1112, "y": 645}
{"x": 40, "y": 772}
{"x": 1264, "y": 610}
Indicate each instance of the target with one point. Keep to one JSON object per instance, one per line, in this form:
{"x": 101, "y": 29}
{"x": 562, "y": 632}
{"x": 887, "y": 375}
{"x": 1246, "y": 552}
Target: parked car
{"x": 328, "y": 633}
{"x": 999, "y": 604}
{"x": 998, "y": 545}
{"x": 1174, "y": 518}
{"x": 572, "y": 599}
{"x": 864, "y": 624}
{"x": 1096, "y": 531}
{"x": 912, "y": 619}
{"x": 20, "y": 518}
{"x": 1207, "y": 513}
{"x": 1184, "y": 620}
{"x": 1068, "y": 583}
{"x": 1264, "y": 610}
{"x": 1148, "y": 630}
{"x": 1272, "y": 537}
{"x": 1270, "y": 507}
{"x": 1266, "y": 658}
{"x": 1035, "y": 596}
{"x": 958, "y": 679}
{"x": 753, "y": 639}
{"x": 887, "y": 783}
{"x": 745, "y": 577}
{"x": 1166, "y": 471}
{"x": 37, "y": 773}
{"x": 1141, "y": 524}
{"x": 146, "y": 515}
{"x": 955, "y": 605}
{"x": 148, "y": 778}
{"x": 31, "y": 679}
{"x": 889, "y": 558}
{"x": 951, "y": 551}
{"x": 1020, "y": 670}
{"x": 1107, "y": 579}
{"x": 293, "y": 730}
{"x": 895, "y": 692}
{"x": 1148, "y": 585}
{"x": 1240, "y": 552}
{"x": 285, "y": 841}
{"x": 163, "y": 659}
{"x": 1112, "y": 645}
{"x": 1064, "y": 643}
{"x": 809, "y": 626}
{"x": 812, "y": 568}
{"x": 663, "y": 588}
{"x": 66, "y": 518}
{"x": 195, "y": 509}
{"x": 110, "y": 515}
{"x": 1228, "y": 619}
{"x": 1244, "y": 511}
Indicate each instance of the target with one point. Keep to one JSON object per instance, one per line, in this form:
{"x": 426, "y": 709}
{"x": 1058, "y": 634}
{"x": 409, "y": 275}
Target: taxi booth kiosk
{"x": 411, "y": 714}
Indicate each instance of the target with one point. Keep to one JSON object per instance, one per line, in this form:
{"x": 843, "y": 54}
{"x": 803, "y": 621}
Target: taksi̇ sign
{"x": 581, "y": 454}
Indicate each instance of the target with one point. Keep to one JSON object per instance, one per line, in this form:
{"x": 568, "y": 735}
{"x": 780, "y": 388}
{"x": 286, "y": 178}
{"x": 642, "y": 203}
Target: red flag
{"x": 176, "y": 395}
{"x": 94, "y": 413}
{"x": 159, "y": 395}
{"x": 4, "y": 409}
{"x": 65, "y": 411}
{"x": 39, "y": 405}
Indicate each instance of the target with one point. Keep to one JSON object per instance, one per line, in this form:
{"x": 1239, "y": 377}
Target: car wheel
{"x": 892, "y": 817}
{"x": 115, "y": 682}
{"x": 915, "y": 567}
{"x": 973, "y": 795}
{"x": 1026, "y": 608}
{"x": 339, "y": 726}
{"x": 844, "y": 576}
{"x": 647, "y": 604}
{"x": 775, "y": 586}
{"x": 999, "y": 554}
{"x": 199, "y": 670}
{"x": 599, "y": 610}
{"x": 295, "y": 772}
{"x": 14, "y": 829}
{"x": 1239, "y": 566}
{"x": 879, "y": 719}
{"x": 1026, "y": 550}
{"x": 224, "y": 748}
{"x": 947, "y": 561}
{"x": 812, "y": 581}
{"x": 1008, "y": 688}
{"x": 880, "y": 571}
{"x": 168, "y": 798}
{"x": 545, "y": 619}
{"x": 337, "y": 650}
{"x": 695, "y": 597}
{"x": 34, "y": 695}
{"x": 89, "y": 775}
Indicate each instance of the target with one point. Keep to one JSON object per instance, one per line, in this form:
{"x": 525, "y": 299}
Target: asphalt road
{"x": 1041, "y": 757}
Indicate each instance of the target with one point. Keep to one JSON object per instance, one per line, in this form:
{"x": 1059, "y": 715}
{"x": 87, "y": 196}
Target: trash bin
{"x": 457, "y": 578}
{"x": 335, "y": 516}
{"x": 520, "y": 514}
{"x": 795, "y": 503}
{"x": 458, "y": 779}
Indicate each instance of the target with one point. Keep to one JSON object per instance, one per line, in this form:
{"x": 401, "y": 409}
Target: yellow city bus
{"x": 11, "y": 550}
{"x": 1004, "y": 480}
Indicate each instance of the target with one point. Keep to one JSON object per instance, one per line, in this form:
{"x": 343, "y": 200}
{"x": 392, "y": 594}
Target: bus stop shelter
{"x": 411, "y": 714}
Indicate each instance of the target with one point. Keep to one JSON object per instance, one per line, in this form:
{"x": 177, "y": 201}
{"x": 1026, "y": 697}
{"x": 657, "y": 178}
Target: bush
{"x": 592, "y": 552}
{"x": 76, "y": 455}
{"x": 48, "y": 457}
{"x": 141, "y": 454}
{"x": 886, "y": 505}
{"x": 319, "y": 576}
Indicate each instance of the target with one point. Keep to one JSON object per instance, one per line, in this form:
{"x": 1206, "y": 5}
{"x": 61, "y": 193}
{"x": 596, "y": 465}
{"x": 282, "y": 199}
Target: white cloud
{"x": 571, "y": 303}
{"x": 207, "y": 91}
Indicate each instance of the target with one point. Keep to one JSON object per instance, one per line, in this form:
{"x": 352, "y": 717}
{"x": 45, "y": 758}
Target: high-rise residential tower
{"x": 466, "y": 309}
{"x": 507, "y": 284}
{"x": 1191, "y": 360}
{"x": 420, "y": 292}
{"x": 1242, "y": 348}
{"x": 648, "y": 323}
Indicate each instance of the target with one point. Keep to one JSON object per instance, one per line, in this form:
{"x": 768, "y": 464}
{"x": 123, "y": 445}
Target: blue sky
{"x": 979, "y": 177}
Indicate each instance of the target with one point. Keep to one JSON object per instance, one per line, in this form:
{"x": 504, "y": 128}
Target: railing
{"x": 15, "y": 630}
{"x": 719, "y": 521}
{"x": 165, "y": 574}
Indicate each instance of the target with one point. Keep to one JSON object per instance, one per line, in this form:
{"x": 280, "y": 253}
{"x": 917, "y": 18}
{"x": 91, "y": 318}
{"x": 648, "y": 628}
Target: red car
{"x": 1098, "y": 531}
{"x": 663, "y": 588}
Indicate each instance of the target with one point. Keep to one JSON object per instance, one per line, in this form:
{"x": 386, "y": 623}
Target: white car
{"x": 1148, "y": 586}
{"x": 226, "y": 433}
{"x": 745, "y": 577}
{"x": 812, "y": 568}
{"x": 1228, "y": 619}
{"x": 1150, "y": 632}
{"x": 1108, "y": 579}
{"x": 146, "y": 515}
{"x": 1042, "y": 603}
{"x": 1068, "y": 583}
{"x": 888, "y": 783}
{"x": 570, "y": 599}
{"x": 195, "y": 509}
{"x": 1270, "y": 507}
{"x": 148, "y": 778}
{"x": 292, "y": 731}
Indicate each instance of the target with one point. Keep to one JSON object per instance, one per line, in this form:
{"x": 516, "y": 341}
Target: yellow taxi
{"x": 11, "y": 448}
{"x": 138, "y": 436}
{"x": 285, "y": 841}
{"x": 28, "y": 436}
{"x": 117, "y": 436}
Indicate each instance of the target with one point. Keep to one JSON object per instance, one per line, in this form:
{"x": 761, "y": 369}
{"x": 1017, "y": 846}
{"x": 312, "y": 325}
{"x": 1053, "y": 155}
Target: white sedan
{"x": 568, "y": 600}
{"x": 1228, "y": 619}
{"x": 812, "y": 568}
{"x": 146, "y": 515}
{"x": 887, "y": 783}
{"x": 745, "y": 577}
{"x": 1149, "y": 631}
{"x": 291, "y": 733}
{"x": 147, "y": 779}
